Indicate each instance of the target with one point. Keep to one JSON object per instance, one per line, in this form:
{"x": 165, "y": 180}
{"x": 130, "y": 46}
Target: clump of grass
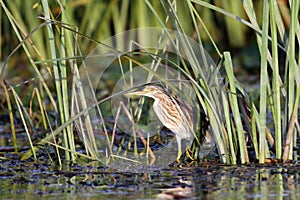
{"x": 274, "y": 92}
{"x": 54, "y": 46}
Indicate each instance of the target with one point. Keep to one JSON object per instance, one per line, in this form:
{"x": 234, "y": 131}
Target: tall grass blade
{"x": 233, "y": 159}
{"x": 263, "y": 83}
{"x": 66, "y": 48}
{"x": 289, "y": 138}
{"x": 22, "y": 111}
{"x": 11, "y": 117}
{"x": 275, "y": 82}
{"x": 235, "y": 108}
{"x": 293, "y": 69}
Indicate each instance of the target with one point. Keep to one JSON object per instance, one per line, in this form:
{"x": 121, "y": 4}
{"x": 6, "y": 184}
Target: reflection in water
{"x": 208, "y": 181}
{"x": 248, "y": 183}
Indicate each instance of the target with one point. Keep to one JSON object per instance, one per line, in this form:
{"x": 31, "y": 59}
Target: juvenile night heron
{"x": 173, "y": 113}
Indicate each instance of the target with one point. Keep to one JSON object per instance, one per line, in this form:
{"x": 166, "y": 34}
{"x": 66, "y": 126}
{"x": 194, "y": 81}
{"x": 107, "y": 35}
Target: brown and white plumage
{"x": 175, "y": 114}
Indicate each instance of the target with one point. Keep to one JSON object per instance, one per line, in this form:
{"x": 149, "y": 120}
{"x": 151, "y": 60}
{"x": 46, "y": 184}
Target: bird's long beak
{"x": 134, "y": 93}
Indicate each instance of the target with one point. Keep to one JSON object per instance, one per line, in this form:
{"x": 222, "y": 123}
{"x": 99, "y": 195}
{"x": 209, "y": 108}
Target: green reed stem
{"x": 263, "y": 83}
{"x": 276, "y": 83}
{"x": 235, "y": 108}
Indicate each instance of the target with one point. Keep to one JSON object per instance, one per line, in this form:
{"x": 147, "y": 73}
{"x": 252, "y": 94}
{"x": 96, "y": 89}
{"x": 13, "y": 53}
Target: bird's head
{"x": 153, "y": 91}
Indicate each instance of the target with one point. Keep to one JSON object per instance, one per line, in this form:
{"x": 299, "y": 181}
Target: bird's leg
{"x": 179, "y": 149}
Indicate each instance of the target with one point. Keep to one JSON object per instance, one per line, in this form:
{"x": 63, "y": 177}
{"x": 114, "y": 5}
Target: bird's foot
{"x": 188, "y": 153}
